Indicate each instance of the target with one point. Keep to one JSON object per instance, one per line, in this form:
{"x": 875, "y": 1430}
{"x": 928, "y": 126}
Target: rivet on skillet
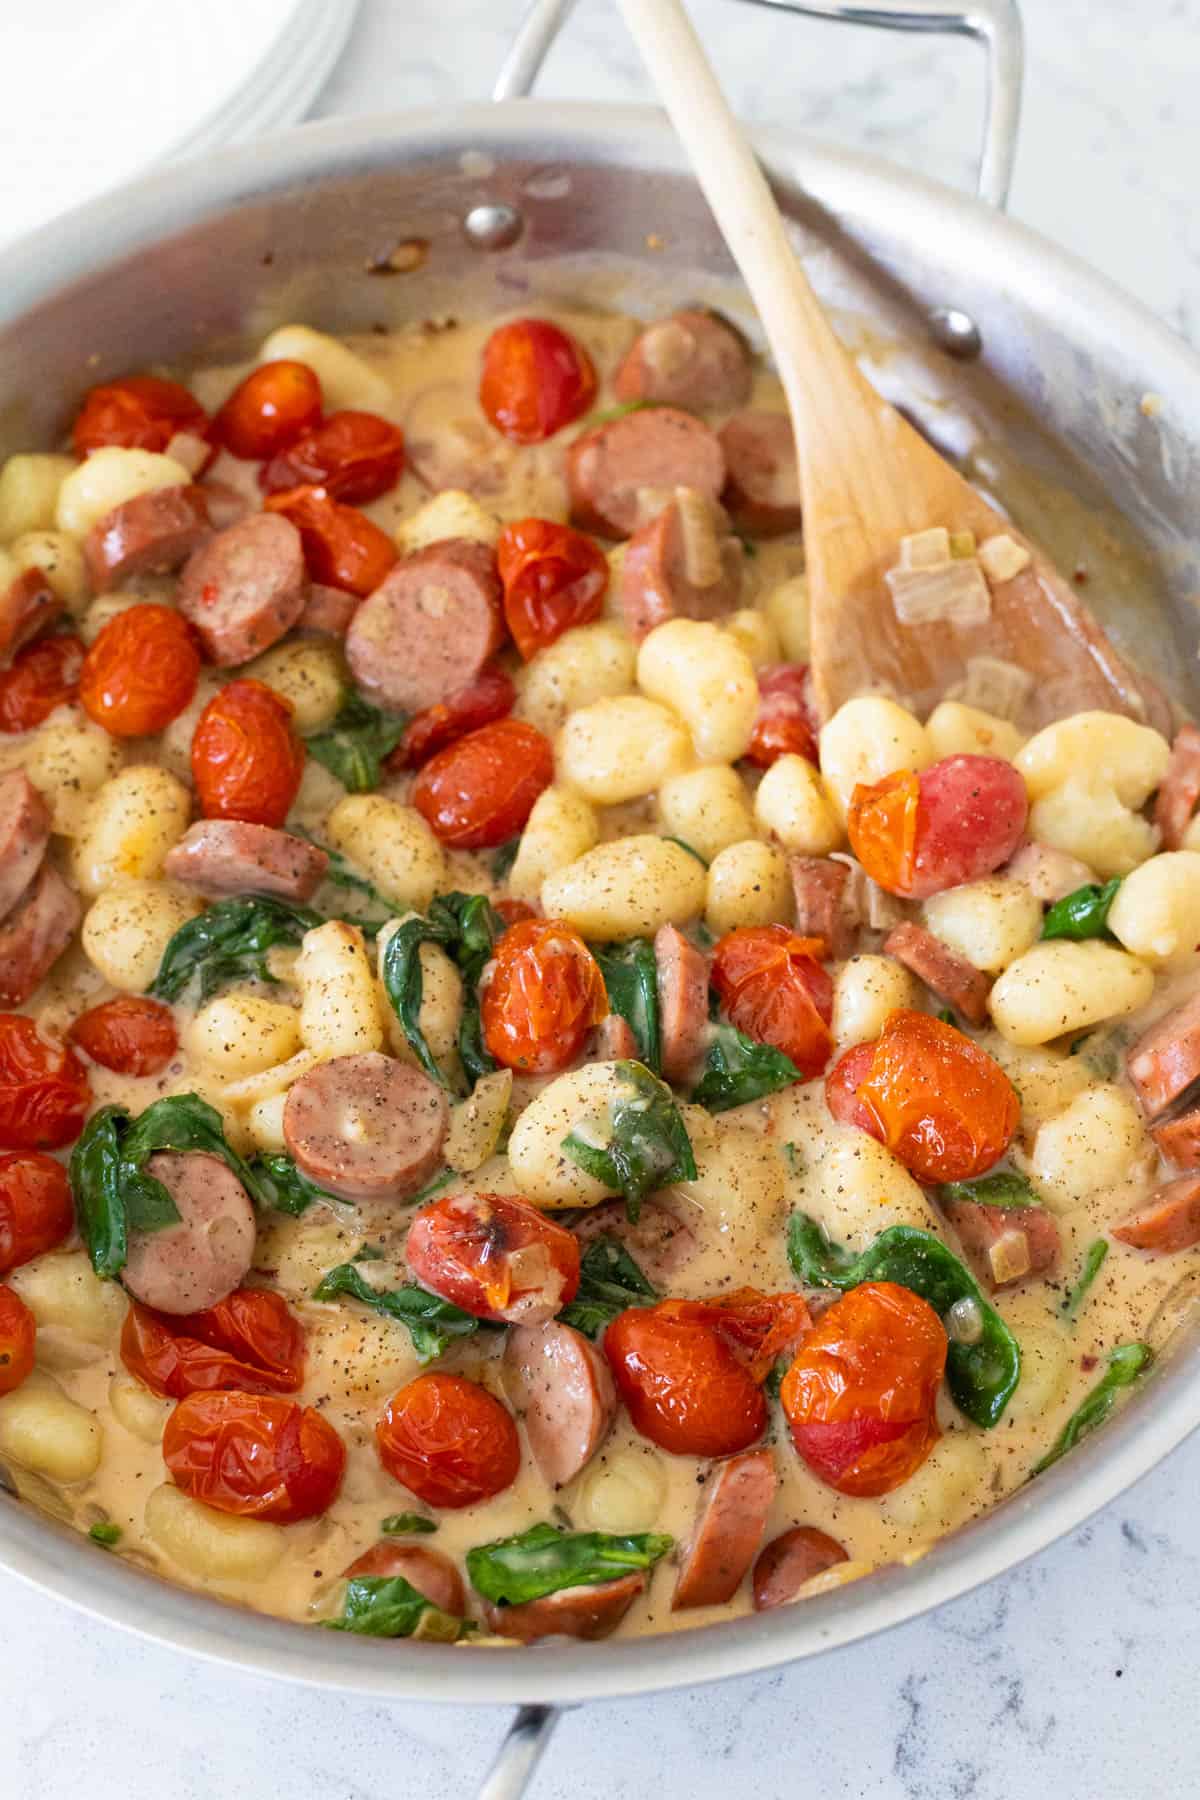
{"x": 955, "y": 332}
{"x": 493, "y": 225}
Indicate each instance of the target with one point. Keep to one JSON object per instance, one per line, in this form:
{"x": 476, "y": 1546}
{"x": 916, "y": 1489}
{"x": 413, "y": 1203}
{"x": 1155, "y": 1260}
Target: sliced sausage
{"x": 683, "y": 564}
{"x": 790, "y": 1560}
{"x": 1169, "y": 1221}
{"x": 1179, "y": 1139}
{"x": 152, "y": 534}
{"x": 245, "y": 587}
{"x": 564, "y": 1389}
{"x": 447, "y": 444}
{"x": 225, "y": 505}
{"x": 228, "y": 856}
{"x": 27, "y": 606}
{"x": 35, "y": 934}
{"x": 825, "y": 903}
{"x": 620, "y": 474}
{"x": 366, "y": 1127}
{"x": 1049, "y": 875}
{"x": 429, "y": 627}
{"x": 730, "y": 1520}
{"x": 613, "y": 1041}
{"x": 328, "y": 609}
{"x": 692, "y": 359}
{"x": 189, "y": 1266}
{"x": 951, "y": 977}
{"x": 1165, "y": 1061}
{"x": 762, "y": 487}
{"x": 24, "y": 834}
{"x": 431, "y": 1573}
{"x": 661, "y": 1243}
{"x": 1006, "y": 1243}
{"x": 1177, "y": 797}
{"x": 682, "y": 979}
{"x": 578, "y": 1612}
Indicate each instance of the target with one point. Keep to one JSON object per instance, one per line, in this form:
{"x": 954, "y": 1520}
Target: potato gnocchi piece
{"x": 627, "y": 888}
{"x": 62, "y": 1289}
{"x": 131, "y": 824}
{"x": 45, "y": 1431}
{"x": 211, "y": 1545}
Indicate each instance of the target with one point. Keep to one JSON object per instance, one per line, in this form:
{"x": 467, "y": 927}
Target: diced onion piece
{"x": 993, "y": 685}
{"x": 925, "y": 549}
{"x": 866, "y": 900}
{"x": 698, "y": 522}
{"x": 954, "y": 592}
{"x": 189, "y": 450}
{"x": 1008, "y": 1257}
{"x": 1001, "y": 557}
{"x": 964, "y": 1321}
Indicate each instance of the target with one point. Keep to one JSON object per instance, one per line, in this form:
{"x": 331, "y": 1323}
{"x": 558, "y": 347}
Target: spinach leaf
{"x": 1005, "y": 1189}
{"x": 431, "y": 1321}
{"x": 1083, "y": 914}
{"x": 390, "y": 1607}
{"x": 1125, "y": 1364}
{"x": 282, "y": 1187}
{"x": 982, "y": 1375}
{"x": 738, "y": 1069}
{"x": 630, "y": 974}
{"x": 354, "y": 744}
{"x": 609, "y": 1282}
{"x": 649, "y": 1146}
{"x": 466, "y": 926}
{"x": 95, "y": 1173}
{"x": 229, "y": 942}
{"x": 691, "y": 850}
{"x": 544, "y": 1560}
{"x": 504, "y": 858}
{"x": 407, "y": 1524}
{"x": 775, "y": 1375}
{"x": 1092, "y": 1263}
{"x": 342, "y": 873}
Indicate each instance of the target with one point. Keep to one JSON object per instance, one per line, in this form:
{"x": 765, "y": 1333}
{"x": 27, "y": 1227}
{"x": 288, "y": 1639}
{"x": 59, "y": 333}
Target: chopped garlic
{"x": 1001, "y": 557}
{"x": 925, "y": 549}
{"x": 954, "y": 593}
{"x": 699, "y": 522}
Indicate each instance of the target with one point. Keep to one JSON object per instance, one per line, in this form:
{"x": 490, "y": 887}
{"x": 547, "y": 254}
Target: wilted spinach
{"x": 390, "y": 1607}
{"x": 1082, "y": 914}
{"x": 544, "y": 1560}
{"x": 648, "y": 1146}
{"x": 353, "y": 746}
{"x": 630, "y": 972}
{"x": 466, "y": 926}
{"x": 738, "y": 1069}
{"x": 1125, "y": 1364}
{"x": 1093, "y": 1261}
{"x": 610, "y": 1281}
{"x": 1006, "y": 1189}
{"x": 431, "y": 1322}
{"x": 229, "y": 942}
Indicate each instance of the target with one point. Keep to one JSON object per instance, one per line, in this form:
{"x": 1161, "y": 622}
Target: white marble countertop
{"x": 1075, "y": 1674}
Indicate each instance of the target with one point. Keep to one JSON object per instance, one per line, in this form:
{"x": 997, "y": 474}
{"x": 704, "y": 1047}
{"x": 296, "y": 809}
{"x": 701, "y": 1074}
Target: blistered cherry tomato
{"x": 141, "y": 672}
{"x": 536, "y": 379}
{"x": 514, "y": 912}
{"x": 249, "y": 1341}
{"x": 479, "y": 792}
{"x": 131, "y": 1034}
{"x": 489, "y": 697}
{"x": 759, "y": 1328}
{"x": 353, "y": 455}
{"x": 861, "y": 1396}
{"x": 785, "y": 724}
{"x": 943, "y": 1107}
{"x": 36, "y": 1211}
{"x": 554, "y": 578}
{"x": 256, "y": 1455}
{"x": 275, "y": 404}
{"x": 685, "y": 1387}
{"x": 18, "y": 1332}
{"x": 44, "y": 1093}
{"x": 139, "y": 412}
{"x": 544, "y": 993}
{"x": 956, "y": 821}
{"x": 473, "y": 1249}
{"x": 247, "y": 759}
{"x": 42, "y": 677}
{"x": 841, "y": 1089}
{"x": 342, "y": 547}
{"x": 448, "y": 1441}
{"x": 773, "y": 988}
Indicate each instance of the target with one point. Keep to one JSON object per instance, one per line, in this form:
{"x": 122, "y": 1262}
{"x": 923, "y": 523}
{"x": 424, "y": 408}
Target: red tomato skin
{"x": 139, "y": 412}
{"x": 462, "y": 1246}
{"x": 514, "y": 912}
{"x": 774, "y": 989}
{"x": 273, "y": 406}
{"x": 42, "y": 677}
{"x": 535, "y": 380}
{"x": 882, "y": 827}
{"x": 542, "y": 995}
{"x": 841, "y": 1089}
{"x": 786, "y": 724}
{"x": 18, "y": 1334}
{"x": 354, "y": 456}
{"x": 490, "y": 697}
{"x": 956, "y": 821}
{"x": 448, "y": 1441}
{"x": 36, "y": 1210}
{"x": 684, "y": 1387}
{"x": 479, "y": 792}
{"x": 131, "y": 1034}
{"x": 342, "y": 547}
{"x": 554, "y": 578}
{"x": 861, "y": 1396}
{"x": 257, "y": 1456}
{"x": 247, "y": 759}
{"x": 141, "y": 672}
{"x": 943, "y": 1106}
{"x": 44, "y": 1092}
{"x": 250, "y": 1342}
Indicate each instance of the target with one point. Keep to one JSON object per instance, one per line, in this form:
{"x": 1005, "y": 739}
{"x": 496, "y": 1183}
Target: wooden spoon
{"x": 868, "y": 480}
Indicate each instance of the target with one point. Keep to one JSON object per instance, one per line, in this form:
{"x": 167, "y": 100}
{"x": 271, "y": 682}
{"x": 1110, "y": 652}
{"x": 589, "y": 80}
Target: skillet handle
{"x": 996, "y": 23}
{"x": 520, "y": 1753}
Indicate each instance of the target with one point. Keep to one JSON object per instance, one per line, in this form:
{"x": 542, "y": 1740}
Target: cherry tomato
{"x": 276, "y": 404}
{"x": 256, "y": 1455}
{"x": 249, "y": 1341}
{"x": 131, "y": 1034}
{"x": 448, "y": 1441}
{"x": 941, "y": 1104}
{"x": 514, "y": 912}
{"x": 956, "y": 821}
{"x": 247, "y": 759}
{"x": 478, "y": 792}
{"x": 353, "y": 455}
{"x": 42, "y": 677}
{"x": 543, "y": 994}
{"x": 773, "y": 988}
{"x": 759, "y": 1328}
{"x": 44, "y": 1093}
{"x": 139, "y": 412}
{"x": 535, "y": 380}
{"x": 141, "y": 671}
{"x": 685, "y": 1386}
{"x": 861, "y": 1397}
{"x": 342, "y": 547}
{"x": 494, "y": 1256}
{"x": 785, "y": 724}
{"x": 36, "y": 1211}
{"x": 489, "y": 697}
{"x": 841, "y": 1089}
{"x": 554, "y": 578}
{"x": 18, "y": 1331}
